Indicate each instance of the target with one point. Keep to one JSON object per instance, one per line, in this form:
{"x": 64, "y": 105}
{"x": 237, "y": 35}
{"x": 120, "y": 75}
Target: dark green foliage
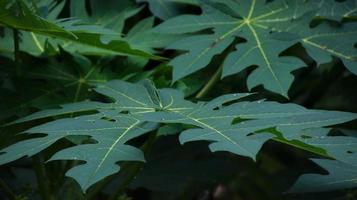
{"x": 125, "y": 95}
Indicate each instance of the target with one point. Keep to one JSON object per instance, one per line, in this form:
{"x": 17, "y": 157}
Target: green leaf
{"x": 16, "y": 14}
{"x": 341, "y": 176}
{"x": 320, "y": 42}
{"x": 165, "y": 9}
{"x": 267, "y": 29}
{"x": 142, "y": 37}
{"x": 134, "y": 113}
{"x": 112, "y": 16}
{"x": 19, "y": 16}
{"x": 342, "y": 171}
{"x": 342, "y": 148}
{"x": 336, "y": 10}
{"x": 110, "y": 137}
{"x": 47, "y": 84}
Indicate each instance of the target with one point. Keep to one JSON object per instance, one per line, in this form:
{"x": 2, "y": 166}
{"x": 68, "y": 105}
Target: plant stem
{"x": 210, "y": 84}
{"x": 16, "y": 51}
{"x": 134, "y": 168}
{"x": 6, "y": 189}
{"x": 98, "y": 187}
{"x": 41, "y": 178}
{"x": 126, "y": 166}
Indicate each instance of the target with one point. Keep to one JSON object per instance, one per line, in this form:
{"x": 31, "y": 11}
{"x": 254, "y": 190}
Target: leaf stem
{"x": 98, "y": 187}
{"x": 211, "y": 82}
{"x": 15, "y": 34}
{"x": 6, "y": 189}
{"x": 41, "y": 178}
{"x": 134, "y": 168}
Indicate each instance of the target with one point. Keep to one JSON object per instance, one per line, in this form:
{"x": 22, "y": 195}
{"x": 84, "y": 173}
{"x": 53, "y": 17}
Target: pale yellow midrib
{"x": 268, "y": 64}
{"x": 220, "y": 133}
{"x": 327, "y": 49}
{"x": 111, "y": 148}
{"x": 38, "y": 44}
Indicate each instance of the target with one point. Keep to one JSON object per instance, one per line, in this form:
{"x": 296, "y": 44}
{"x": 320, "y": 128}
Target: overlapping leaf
{"x": 16, "y": 14}
{"x": 165, "y": 9}
{"x": 342, "y": 172}
{"x": 113, "y": 15}
{"x": 341, "y": 176}
{"x": 336, "y": 10}
{"x": 47, "y": 84}
{"x": 325, "y": 41}
{"x": 240, "y": 127}
{"x": 72, "y": 77}
{"x": 342, "y": 148}
{"x": 268, "y": 29}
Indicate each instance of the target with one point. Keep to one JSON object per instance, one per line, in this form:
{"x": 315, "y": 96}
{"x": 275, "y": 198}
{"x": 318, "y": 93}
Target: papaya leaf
{"x": 17, "y": 15}
{"x": 237, "y": 127}
{"x": 165, "y": 9}
{"x": 342, "y": 148}
{"x": 341, "y": 176}
{"x": 336, "y": 10}
{"x": 112, "y": 16}
{"x": 267, "y": 29}
{"x": 320, "y": 42}
{"x": 342, "y": 171}
{"x": 47, "y": 84}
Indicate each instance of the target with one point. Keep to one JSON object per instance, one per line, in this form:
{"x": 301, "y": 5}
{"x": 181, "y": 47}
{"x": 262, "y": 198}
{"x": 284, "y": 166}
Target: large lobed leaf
{"x": 238, "y": 127}
{"x": 267, "y": 28}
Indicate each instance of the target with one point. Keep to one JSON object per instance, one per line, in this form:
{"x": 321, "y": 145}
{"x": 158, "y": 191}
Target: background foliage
{"x": 120, "y": 100}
